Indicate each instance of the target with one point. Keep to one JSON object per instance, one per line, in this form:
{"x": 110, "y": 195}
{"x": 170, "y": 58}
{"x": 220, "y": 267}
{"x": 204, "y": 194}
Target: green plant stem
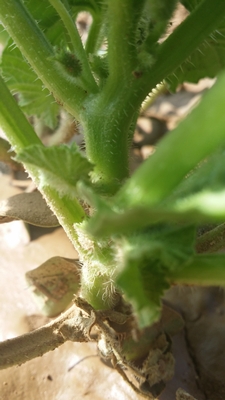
{"x": 76, "y": 43}
{"x": 92, "y": 44}
{"x": 39, "y": 53}
{"x": 120, "y": 99}
{"x": 21, "y": 134}
{"x": 187, "y": 145}
{"x": 107, "y": 141}
{"x": 119, "y": 94}
{"x": 107, "y": 145}
{"x": 212, "y": 240}
{"x": 123, "y": 20}
{"x": 204, "y": 270}
{"x": 68, "y": 211}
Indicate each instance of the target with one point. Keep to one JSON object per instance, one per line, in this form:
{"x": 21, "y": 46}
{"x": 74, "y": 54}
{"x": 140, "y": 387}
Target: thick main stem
{"x": 106, "y": 134}
{"x": 106, "y": 140}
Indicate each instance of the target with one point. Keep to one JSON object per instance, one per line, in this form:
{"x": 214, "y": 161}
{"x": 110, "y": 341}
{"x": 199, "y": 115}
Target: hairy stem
{"x": 123, "y": 20}
{"x": 179, "y": 152}
{"x": 93, "y": 43}
{"x": 107, "y": 142}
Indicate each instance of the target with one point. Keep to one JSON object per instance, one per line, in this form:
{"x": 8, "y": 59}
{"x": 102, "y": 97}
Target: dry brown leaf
{"x": 29, "y": 207}
{"x": 54, "y": 283}
{"x": 16, "y": 301}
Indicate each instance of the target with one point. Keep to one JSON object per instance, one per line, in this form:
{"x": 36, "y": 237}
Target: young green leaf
{"x": 193, "y": 140}
{"x": 33, "y": 99}
{"x": 60, "y": 167}
{"x": 147, "y": 261}
{"x": 146, "y": 303}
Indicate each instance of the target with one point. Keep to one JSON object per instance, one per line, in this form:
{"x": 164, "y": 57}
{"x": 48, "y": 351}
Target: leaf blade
{"x": 60, "y": 167}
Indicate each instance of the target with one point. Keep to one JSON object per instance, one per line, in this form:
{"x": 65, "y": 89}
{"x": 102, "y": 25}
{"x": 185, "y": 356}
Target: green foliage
{"x": 137, "y": 235}
{"x": 21, "y": 80}
{"x": 146, "y": 197}
{"x": 60, "y": 167}
{"x": 148, "y": 260}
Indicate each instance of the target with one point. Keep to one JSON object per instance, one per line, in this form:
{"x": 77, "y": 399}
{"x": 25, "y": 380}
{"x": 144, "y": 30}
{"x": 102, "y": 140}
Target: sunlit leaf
{"x": 148, "y": 259}
{"x": 21, "y": 80}
{"x": 59, "y": 166}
